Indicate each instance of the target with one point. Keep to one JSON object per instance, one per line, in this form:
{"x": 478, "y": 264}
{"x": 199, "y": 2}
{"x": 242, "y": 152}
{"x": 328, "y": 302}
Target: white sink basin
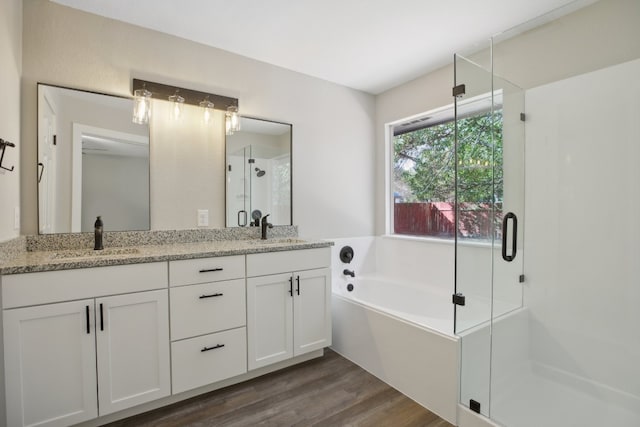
{"x": 90, "y": 253}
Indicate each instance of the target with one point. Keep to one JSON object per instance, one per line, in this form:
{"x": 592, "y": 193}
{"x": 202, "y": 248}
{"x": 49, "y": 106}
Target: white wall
{"x": 333, "y": 137}
{"x": 583, "y": 190}
{"x": 10, "y": 70}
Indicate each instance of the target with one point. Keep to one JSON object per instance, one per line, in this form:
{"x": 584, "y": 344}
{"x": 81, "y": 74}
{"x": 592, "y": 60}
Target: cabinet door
{"x": 132, "y": 333}
{"x": 50, "y": 364}
{"x": 312, "y": 310}
{"x": 269, "y": 319}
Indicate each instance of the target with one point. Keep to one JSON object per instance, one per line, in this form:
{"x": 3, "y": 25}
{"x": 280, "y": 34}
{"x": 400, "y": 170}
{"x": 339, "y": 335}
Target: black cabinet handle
{"x": 514, "y": 237}
{"x": 210, "y": 296}
{"x": 212, "y": 348}
{"x": 209, "y": 270}
{"x": 101, "y": 319}
{"x": 298, "y": 285}
{"x": 87, "y": 315}
{"x": 291, "y": 286}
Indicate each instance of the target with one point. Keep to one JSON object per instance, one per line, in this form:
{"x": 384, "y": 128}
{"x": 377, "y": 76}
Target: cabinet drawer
{"x": 206, "y": 308}
{"x": 204, "y": 360}
{"x": 203, "y": 270}
{"x": 282, "y": 262}
{"x": 65, "y": 285}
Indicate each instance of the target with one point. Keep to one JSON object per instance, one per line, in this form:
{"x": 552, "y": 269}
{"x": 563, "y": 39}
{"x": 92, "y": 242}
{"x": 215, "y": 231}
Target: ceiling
{"x": 369, "y": 45}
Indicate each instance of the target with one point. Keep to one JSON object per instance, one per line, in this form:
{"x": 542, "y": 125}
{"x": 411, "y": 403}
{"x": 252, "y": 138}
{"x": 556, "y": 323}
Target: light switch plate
{"x": 203, "y": 217}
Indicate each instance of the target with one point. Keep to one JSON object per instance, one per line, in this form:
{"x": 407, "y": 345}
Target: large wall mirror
{"x": 92, "y": 160}
{"x": 258, "y": 173}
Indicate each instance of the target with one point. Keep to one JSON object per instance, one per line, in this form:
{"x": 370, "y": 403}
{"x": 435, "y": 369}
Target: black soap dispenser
{"x": 98, "y": 232}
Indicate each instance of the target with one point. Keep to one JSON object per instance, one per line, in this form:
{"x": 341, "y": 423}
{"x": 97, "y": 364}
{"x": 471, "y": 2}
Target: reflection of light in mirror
{"x": 141, "y": 106}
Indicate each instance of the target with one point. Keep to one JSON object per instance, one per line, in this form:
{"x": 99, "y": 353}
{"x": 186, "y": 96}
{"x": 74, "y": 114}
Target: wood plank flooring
{"x": 328, "y": 391}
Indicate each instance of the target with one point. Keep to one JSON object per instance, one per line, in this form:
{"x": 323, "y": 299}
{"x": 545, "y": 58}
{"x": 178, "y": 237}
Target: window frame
{"x": 489, "y": 101}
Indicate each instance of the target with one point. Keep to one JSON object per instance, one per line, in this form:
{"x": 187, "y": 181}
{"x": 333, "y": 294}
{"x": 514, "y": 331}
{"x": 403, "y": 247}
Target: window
{"x": 423, "y": 172}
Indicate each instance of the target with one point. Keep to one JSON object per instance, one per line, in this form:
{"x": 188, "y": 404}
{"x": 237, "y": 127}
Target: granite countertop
{"x": 35, "y": 261}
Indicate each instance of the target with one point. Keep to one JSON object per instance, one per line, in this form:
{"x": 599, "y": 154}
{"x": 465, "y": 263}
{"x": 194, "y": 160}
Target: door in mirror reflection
{"x": 259, "y": 173}
{"x": 92, "y": 160}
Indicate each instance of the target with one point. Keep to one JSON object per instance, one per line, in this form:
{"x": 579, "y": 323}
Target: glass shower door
{"x": 508, "y": 343}
{"x": 475, "y": 224}
{"x": 489, "y": 219}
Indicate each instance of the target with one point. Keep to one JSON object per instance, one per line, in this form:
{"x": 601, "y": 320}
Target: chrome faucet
{"x": 349, "y": 273}
{"x": 265, "y": 224}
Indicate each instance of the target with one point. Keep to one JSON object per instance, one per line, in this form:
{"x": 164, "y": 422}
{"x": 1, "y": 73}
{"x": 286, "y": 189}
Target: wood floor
{"x": 328, "y": 391}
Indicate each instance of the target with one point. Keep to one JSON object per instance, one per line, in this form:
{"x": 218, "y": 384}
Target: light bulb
{"x": 141, "y": 106}
{"x": 232, "y": 120}
{"x": 176, "y": 109}
{"x": 208, "y": 109}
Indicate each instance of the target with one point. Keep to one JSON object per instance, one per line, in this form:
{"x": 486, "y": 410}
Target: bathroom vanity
{"x": 89, "y": 335}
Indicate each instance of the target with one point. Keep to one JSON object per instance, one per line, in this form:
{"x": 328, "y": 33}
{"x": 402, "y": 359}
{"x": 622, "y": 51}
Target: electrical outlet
{"x": 16, "y": 218}
{"x": 203, "y": 217}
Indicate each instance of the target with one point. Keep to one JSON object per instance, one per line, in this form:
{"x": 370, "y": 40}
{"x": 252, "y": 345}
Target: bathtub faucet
{"x": 349, "y": 273}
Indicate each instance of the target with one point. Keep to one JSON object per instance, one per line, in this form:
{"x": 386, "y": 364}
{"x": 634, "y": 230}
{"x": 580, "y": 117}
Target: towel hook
{"x": 3, "y": 146}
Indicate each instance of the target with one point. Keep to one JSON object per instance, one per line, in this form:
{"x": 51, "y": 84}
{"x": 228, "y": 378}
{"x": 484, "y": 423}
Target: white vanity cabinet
{"x": 288, "y": 304}
{"x": 71, "y": 346}
{"x": 208, "y": 319}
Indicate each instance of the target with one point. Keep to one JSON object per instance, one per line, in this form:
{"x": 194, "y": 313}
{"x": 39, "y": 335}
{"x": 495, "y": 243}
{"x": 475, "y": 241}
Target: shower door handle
{"x": 514, "y": 237}
{"x": 245, "y": 218}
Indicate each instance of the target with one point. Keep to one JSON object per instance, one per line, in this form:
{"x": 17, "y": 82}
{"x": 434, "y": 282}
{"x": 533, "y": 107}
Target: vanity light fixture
{"x": 207, "y": 107}
{"x": 180, "y": 96}
{"x": 141, "y": 106}
{"x": 177, "y": 102}
{"x": 232, "y": 120}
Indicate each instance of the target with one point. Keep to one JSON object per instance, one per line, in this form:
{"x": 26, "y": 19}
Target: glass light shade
{"x": 141, "y": 106}
{"x": 232, "y": 120}
{"x": 176, "y": 108}
{"x": 207, "y": 106}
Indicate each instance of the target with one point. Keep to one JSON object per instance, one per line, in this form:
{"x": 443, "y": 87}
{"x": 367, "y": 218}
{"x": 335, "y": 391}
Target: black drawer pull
{"x": 88, "y": 324}
{"x": 210, "y": 296}
{"x": 210, "y": 270}
{"x": 101, "y": 318}
{"x": 212, "y": 348}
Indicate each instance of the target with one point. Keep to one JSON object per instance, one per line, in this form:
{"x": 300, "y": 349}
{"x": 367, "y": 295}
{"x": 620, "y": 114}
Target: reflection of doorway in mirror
{"x": 47, "y": 166}
{"x": 110, "y": 178}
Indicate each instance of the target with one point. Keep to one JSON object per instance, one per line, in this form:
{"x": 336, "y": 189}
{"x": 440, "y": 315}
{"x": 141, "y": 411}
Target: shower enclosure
{"x": 549, "y": 326}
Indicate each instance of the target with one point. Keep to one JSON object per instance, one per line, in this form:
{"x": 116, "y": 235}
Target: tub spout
{"x": 349, "y": 273}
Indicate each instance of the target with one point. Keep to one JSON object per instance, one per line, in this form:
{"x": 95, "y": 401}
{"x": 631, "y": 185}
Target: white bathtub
{"x": 428, "y": 307}
{"x": 402, "y": 334}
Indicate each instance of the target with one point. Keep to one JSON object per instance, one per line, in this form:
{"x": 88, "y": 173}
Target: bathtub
{"x": 428, "y": 307}
{"x": 402, "y": 334}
